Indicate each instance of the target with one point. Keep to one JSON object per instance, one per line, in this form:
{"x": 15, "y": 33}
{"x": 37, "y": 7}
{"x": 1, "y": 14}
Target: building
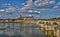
{"x": 22, "y": 20}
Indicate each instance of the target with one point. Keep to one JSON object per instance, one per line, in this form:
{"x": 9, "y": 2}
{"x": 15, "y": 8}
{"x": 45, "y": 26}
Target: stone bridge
{"x": 48, "y": 26}
{"x": 49, "y": 21}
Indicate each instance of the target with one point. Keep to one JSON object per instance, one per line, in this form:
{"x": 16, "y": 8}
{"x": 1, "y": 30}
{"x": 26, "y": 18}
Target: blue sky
{"x": 18, "y": 4}
{"x": 15, "y": 2}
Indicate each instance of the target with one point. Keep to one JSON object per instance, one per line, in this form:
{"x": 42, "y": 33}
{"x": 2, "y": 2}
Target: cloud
{"x": 23, "y": 4}
{"x": 2, "y": 10}
{"x": 38, "y": 4}
{"x": 10, "y": 9}
{"x": 31, "y": 6}
{"x": 27, "y": 5}
{"x": 44, "y": 4}
{"x": 58, "y": 3}
{"x": 33, "y": 11}
{"x": 58, "y": 16}
{"x": 30, "y": 11}
{"x": 52, "y": 2}
{"x": 57, "y": 6}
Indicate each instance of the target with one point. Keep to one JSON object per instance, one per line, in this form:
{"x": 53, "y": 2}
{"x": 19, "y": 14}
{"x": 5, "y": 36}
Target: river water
{"x": 20, "y": 30}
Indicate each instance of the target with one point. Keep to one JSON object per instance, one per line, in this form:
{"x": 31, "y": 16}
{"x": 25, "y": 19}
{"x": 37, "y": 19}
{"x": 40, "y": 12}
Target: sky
{"x": 51, "y": 13}
{"x": 13, "y": 2}
{"x": 16, "y": 2}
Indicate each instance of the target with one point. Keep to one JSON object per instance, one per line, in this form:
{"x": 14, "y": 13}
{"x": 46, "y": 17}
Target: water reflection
{"x": 21, "y": 29}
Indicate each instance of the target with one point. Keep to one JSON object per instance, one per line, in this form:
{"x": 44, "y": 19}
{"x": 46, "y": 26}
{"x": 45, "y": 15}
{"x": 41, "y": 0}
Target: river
{"x": 20, "y": 30}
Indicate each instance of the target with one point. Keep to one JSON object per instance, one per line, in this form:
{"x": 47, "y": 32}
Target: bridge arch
{"x": 55, "y": 23}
